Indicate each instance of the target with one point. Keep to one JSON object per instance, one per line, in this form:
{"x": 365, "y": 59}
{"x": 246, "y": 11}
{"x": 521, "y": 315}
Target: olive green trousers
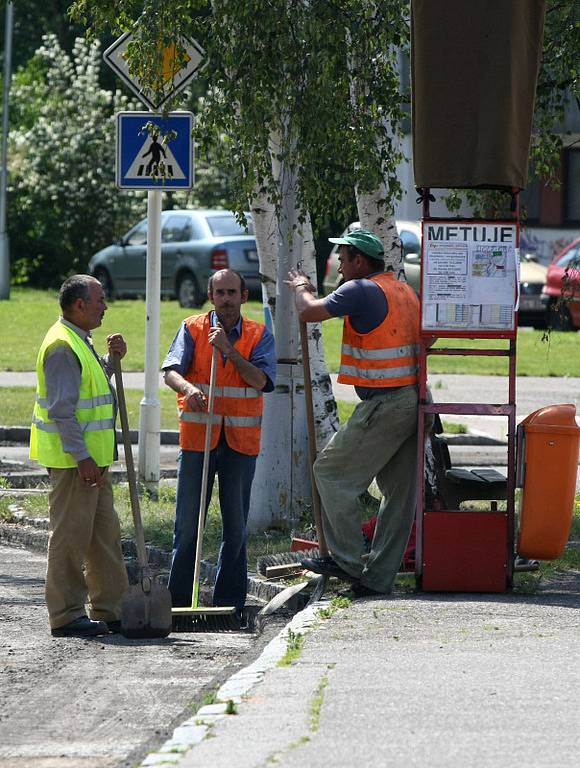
{"x": 379, "y": 441}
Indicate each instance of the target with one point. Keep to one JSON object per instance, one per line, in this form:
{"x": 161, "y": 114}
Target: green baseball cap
{"x": 363, "y": 239}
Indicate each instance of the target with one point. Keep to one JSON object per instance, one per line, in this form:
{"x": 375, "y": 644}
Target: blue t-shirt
{"x": 182, "y": 350}
{"x": 362, "y": 300}
{"x": 366, "y": 305}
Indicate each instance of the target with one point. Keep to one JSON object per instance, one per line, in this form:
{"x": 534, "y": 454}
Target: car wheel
{"x": 558, "y": 317}
{"x": 104, "y": 279}
{"x": 188, "y": 293}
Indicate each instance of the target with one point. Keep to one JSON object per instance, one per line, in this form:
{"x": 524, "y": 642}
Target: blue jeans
{"x": 235, "y": 473}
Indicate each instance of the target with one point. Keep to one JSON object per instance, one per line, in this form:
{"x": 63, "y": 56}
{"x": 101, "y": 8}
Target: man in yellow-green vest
{"x": 73, "y": 436}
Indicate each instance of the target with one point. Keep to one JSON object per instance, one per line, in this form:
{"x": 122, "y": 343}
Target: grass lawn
{"x": 29, "y": 313}
{"x": 17, "y": 402}
{"x": 158, "y": 518}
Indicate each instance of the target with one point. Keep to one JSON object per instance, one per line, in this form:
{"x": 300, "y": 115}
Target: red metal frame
{"x": 457, "y": 538}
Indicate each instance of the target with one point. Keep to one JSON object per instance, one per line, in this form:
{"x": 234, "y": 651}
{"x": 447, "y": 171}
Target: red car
{"x": 561, "y": 294}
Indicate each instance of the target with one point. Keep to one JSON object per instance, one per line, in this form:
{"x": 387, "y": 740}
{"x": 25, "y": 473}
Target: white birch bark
{"x": 324, "y": 405}
{"x": 375, "y": 214}
{"x": 266, "y": 229}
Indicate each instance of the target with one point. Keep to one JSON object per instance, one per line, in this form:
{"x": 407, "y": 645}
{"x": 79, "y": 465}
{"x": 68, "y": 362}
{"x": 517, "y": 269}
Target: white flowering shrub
{"x": 63, "y": 203}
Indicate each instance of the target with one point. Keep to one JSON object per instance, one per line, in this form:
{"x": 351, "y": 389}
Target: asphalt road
{"x": 102, "y": 702}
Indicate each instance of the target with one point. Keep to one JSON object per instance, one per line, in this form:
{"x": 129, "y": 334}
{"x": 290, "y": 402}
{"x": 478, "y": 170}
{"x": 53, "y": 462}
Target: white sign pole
{"x": 150, "y": 412}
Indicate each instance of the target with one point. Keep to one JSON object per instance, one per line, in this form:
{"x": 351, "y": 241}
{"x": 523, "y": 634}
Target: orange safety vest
{"x": 387, "y": 355}
{"x": 237, "y": 406}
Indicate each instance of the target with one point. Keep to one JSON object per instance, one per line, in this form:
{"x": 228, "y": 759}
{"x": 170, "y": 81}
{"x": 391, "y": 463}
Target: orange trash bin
{"x": 548, "y": 444}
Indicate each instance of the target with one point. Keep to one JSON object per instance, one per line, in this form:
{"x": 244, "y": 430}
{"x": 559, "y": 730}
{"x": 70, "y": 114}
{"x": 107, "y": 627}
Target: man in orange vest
{"x": 379, "y": 357}
{"x": 246, "y": 367}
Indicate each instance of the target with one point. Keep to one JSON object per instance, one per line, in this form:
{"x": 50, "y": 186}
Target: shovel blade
{"x": 146, "y": 612}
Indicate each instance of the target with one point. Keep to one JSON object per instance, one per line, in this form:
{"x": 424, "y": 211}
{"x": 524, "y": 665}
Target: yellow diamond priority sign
{"x": 178, "y": 68}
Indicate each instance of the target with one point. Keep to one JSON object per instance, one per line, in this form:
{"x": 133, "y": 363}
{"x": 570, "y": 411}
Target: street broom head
{"x": 216, "y": 619}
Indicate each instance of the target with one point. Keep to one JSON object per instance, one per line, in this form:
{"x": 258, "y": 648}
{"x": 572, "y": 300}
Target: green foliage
{"x": 337, "y": 603}
{"x": 34, "y": 18}
{"x": 283, "y": 70}
{"x": 295, "y": 641}
{"x": 63, "y": 201}
{"x": 320, "y": 78}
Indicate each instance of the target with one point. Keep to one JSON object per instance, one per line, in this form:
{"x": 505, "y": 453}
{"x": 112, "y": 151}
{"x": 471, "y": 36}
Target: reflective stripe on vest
{"x": 374, "y": 374}
{"x": 230, "y": 421}
{"x": 94, "y": 410}
{"x": 229, "y": 391}
{"x": 237, "y": 408}
{"x": 85, "y": 403}
{"x": 411, "y": 350}
{"x": 387, "y": 356}
{"x": 198, "y": 417}
{"x": 86, "y": 426}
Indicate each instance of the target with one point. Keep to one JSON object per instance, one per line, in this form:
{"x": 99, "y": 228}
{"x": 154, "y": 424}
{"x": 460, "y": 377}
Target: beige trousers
{"x": 85, "y": 561}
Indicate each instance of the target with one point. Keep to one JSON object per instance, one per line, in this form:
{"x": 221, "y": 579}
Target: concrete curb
{"x": 31, "y": 478}
{"x": 21, "y": 435}
{"x": 232, "y": 693}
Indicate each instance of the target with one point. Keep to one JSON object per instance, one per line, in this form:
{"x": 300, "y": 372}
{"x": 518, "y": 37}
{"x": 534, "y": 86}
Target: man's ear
{"x": 245, "y": 295}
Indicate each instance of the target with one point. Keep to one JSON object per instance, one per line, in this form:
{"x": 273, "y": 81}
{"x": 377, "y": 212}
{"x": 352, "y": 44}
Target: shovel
{"x": 146, "y": 606}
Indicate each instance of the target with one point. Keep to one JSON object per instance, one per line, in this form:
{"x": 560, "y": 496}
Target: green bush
{"x": 63, "y": 204}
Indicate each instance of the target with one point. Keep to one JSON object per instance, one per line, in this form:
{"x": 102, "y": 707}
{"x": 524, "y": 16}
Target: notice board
{"x": 469, "y": 278}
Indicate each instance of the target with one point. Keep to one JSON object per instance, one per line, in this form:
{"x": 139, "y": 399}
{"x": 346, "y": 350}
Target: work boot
{"x": 81, "y": 627}
{"x": 326, "y": 566}
{"x": 361, "y": 590}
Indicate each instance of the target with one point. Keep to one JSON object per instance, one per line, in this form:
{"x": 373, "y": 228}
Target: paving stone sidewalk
{"x": 411, "y": 680}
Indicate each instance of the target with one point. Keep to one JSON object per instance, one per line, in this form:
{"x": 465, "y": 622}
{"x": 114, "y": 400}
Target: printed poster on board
{"x": 470, "y": 276}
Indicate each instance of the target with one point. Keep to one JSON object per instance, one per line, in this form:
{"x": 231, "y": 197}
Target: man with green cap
{"x": 379, "y": 357}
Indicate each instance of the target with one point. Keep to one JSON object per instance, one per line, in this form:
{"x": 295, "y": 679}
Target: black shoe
{"x": 81, "y": 627}
{"x": 114, "y": 626}
{"x": 326, "y": 566}
{"x": 360, "y": 590}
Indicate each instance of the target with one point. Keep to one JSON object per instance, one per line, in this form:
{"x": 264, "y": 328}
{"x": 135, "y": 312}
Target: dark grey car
{"x": 194, "y": 244}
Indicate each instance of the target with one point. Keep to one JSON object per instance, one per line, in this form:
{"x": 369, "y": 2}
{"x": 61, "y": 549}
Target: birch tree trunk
{"x": 266, "y": 229}
{"x": 378, "y": 216}
{"x": 324, "y": 405}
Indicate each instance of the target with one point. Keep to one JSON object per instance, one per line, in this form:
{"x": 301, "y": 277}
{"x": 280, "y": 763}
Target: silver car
{"x": 194, "y": 244}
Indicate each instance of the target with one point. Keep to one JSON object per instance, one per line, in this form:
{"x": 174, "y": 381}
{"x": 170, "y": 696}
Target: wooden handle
{"x": 131, "y": 478}
{"x": 316, "y": 509}
{"x": 204, "y": 478}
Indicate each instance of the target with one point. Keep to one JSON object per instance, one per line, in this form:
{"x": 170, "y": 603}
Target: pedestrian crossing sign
{"x": 154, "y": 152}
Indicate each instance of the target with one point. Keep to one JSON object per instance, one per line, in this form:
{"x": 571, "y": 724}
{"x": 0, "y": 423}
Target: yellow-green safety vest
{"x": 94, "y": 411}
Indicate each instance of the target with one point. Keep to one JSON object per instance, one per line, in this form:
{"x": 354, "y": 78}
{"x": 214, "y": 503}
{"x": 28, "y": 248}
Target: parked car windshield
{"x": 411, "y": 243}
{"x": 176, "y": 229}
{"x": 139, "y": 235}
{"x": 227, "y": 225}
{"x": 571, "y": 258}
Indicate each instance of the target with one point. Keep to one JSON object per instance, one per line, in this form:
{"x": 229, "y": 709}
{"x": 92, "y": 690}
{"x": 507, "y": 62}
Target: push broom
{"x": 196, "y": 618}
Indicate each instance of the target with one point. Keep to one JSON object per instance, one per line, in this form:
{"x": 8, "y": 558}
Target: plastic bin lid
{"x": 562, "y": 417}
